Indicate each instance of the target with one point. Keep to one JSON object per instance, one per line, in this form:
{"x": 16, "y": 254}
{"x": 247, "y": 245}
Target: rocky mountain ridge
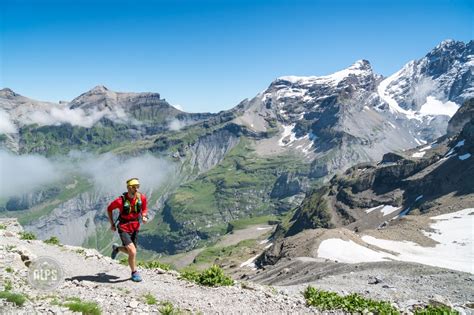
{"x": 261, "y": 157}
{"x": 100, "y": 114}
{"x": 355, "y": 115}
{"x": 395, "y": 198}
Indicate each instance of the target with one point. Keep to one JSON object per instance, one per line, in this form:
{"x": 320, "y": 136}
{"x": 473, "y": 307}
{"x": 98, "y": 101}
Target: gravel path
{"x": 93, "y": 277}
{"x": 275, "y": 290}
{"x": 403, "y": 283}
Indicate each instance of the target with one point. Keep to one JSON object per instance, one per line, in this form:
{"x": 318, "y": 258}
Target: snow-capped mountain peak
{"x": 359, "y": 68}
{"x": 436, "y": 84}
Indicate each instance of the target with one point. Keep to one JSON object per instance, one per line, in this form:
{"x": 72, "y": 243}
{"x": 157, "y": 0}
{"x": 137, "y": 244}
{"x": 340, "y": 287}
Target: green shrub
{"x": 436, "y": 310}
{"x": 354, "y": 303}
{"x": 53, "y": 240}
{"x": 168, "y": 309}
{"x": 27, "y": 236}
{"x": 9, "y": 269}
{"x": 190, "y": 274}
{"x": 8, "y": 286}
{"x": 151, "y": 264}
{"x": 213, "y": 276}
{"x": 17, "y": 298}
{"x": 150, "y": 299}
{"x": 85, "y": 307}
{"x": 3, "y": 226}
{"x": 55, "y": 301}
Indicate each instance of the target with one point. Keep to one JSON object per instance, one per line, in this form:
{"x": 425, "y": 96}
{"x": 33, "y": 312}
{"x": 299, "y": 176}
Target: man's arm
{"x": 113, "y": 205}
{"x": 144, "y": 210}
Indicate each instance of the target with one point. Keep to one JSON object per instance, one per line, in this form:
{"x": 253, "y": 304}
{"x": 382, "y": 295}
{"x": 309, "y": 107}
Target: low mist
{"x": 25, "y": 173}
{"x": 6, "y": 125}
{"x": 176, "y": 124}
{"x": 426, "y": 87}
{"x": 109, "y": 172}
{"x": 20, "y": 174}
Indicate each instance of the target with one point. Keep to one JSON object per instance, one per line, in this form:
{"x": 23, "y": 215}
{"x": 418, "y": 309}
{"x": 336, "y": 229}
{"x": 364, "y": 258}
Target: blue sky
{"x": 210, "y": 55}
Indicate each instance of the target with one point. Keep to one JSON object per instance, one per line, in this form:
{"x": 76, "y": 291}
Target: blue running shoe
{"x": 136, "y": 276}
{"x": 115, "y": 250}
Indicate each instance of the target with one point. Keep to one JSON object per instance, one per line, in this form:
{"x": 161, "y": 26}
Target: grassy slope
{"x": 69, "y": 189}
{"x": 238, "y": 188}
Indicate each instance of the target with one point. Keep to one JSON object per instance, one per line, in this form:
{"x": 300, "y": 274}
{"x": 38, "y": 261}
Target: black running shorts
{"x": 128, "y": 238}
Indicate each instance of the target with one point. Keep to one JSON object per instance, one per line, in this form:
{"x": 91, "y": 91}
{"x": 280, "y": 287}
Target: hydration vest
{"x": 126, "y": 204}
{"x": 127, "y": 208}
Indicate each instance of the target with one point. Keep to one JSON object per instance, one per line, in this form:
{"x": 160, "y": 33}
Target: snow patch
{"x": 418, "y": 141}
{"x": 372, "y": 209}
{"x": 464, "y": 156}
{"x": 348, "y": 252}
{"x": 250, "y": 263}
{"x": 357, "y": 69}
{"x": 384, "y": 93}
{"x": 287, "y": 132}
{"x": 384, "y": 209}
{"x": 453, "y": 232}
{"x": 290, "y": 93}
{"x": 460, "y": 143}
{"x": 436, "y": 107}
{"x": 427, "y": 147}
{"x": 418, "y": 154}
{"x": 456, "y": 243}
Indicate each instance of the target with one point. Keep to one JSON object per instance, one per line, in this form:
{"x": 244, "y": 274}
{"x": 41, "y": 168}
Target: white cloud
{"x": 176, "y": 124}
{"x": 57, "y": 116}
{"x": 6, "y": 125}
{"x": 20, "y": 174}
{"x": 109, "y": 172}
{"x": 423, "y": 89}
{"x": 178, "y": 107}
{"x": 25, "y": 173}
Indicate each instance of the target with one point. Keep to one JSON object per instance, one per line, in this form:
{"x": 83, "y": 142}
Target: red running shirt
{"x": 133, "y": 224}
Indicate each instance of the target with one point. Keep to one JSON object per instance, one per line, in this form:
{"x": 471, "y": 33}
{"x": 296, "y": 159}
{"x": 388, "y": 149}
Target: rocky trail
{"x": 94, "y": 277}
{"x": 90, "y": 276}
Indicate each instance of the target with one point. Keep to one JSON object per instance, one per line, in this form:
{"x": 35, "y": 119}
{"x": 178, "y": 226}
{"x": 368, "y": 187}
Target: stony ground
{"x": 275, "y": 290}
{"x": 404, "y": 284}
{"x": 93, "y": 277}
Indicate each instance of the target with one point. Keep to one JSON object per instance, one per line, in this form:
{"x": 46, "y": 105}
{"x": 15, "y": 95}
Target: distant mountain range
{"x": 375, "y": 198}
{"x": 259, "y": 158}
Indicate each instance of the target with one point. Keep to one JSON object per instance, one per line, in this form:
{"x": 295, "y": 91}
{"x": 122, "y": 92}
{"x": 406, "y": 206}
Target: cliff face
{"x": 462, "y": 116}
{"x": 211, "y": 149}
{"x": 434, "y": 178}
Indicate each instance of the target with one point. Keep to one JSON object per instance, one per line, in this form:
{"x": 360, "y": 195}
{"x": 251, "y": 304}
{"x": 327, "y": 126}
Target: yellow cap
{"x": 133, "y": 182}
